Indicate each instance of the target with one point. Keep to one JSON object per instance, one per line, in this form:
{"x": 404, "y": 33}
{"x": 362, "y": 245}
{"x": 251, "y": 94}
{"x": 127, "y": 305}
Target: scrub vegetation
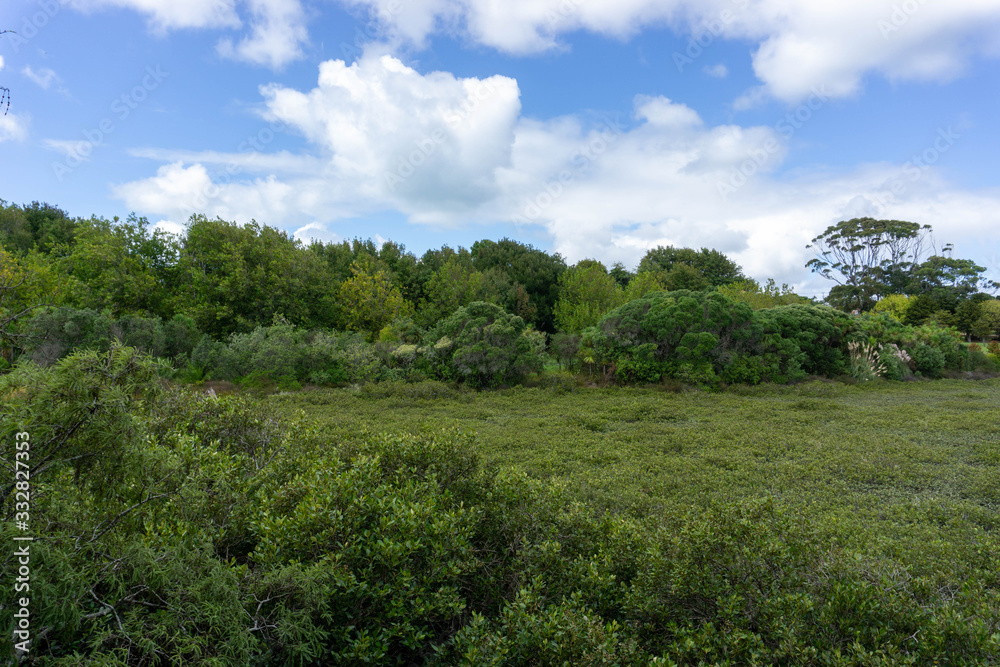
{"x": 248, "y": 451}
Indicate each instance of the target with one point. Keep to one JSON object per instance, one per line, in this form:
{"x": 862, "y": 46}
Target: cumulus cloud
{"x": 451, "y": 151}
{"x": 402, "y": 137}
{"x": 800, "y": 45}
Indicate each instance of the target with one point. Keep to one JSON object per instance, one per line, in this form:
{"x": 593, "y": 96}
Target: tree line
{"x": 104, "y": 279}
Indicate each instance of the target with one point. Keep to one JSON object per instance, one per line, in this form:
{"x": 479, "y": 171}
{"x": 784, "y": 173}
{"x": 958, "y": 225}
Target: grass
{"x": 909, "y": 471}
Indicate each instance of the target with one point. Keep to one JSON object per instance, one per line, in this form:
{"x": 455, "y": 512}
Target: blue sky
{"x": 594, "y": 128}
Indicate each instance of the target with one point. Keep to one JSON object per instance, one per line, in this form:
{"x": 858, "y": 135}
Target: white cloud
{"x": 402, "y": 137}
{"x": 170, "y": 14}
{"x": 800, "y": 45}
{"x": 278, "y": 31}
{"x": 12, "y": 127}
{"x": 450, "y": 151}
{"x": 1, "y": 62}
{"x": 277, "y": 28}
{"x": 76, "y": 150}
{"x": 719, "y": 71}
{"x": 43, "y": 77}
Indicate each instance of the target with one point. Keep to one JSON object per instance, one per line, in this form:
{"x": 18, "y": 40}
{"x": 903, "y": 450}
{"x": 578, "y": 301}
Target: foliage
{"x": 898, "y": 364}
{"x": 693, "y": 336}
{"x": 368, "y": 301}
{"x": 864, "y": 364}
{"x": 233, "y": 278}
{"x": 929, "y": 361}
{"x": 769, "y": 296}
{"x": 895, "y": 305}
{"x": 987, "y": 324}
{"x": 484, "y": 346}
{"x": 26, "y": 284}
{"x": 536, "y": 271}
{"x": 863, "y": 256}
{"x": 207, "y": 530}
{"x": 686, "y": 268}
{"x": 35, "y": 227}
{"x": 586, "y": 293}
{"x": 642, "y": 284}
{"x": 455, "y": 284}
{"x": 818, "y": 331}
{"x": 122, "y": 266}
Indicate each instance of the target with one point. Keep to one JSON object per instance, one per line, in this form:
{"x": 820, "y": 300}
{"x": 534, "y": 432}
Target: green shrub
{"x": 818, "y": 331}
{"x": 484, "y": 346}
{"x": 930, "y": 361}
{"x": 691, "y": 336}
{"x": 896, "y": 361}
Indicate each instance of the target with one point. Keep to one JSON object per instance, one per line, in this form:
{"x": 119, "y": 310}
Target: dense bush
{"x": 216, "y": 534}
{"x": 56, "y": 332}
{"x": 817, "y": 330}
{"x": 697, "y": 337}
{"x": 484, "y": 346}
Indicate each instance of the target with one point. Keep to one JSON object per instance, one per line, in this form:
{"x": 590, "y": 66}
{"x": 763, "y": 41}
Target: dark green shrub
{"x": 181, "y": 335}
{"x": 981, "y": 362}
{"x": 930, "y": 361}
{"x": 818, "y": 331}
{"x": 691, "y": 336}
{"x": 484, "y": 346}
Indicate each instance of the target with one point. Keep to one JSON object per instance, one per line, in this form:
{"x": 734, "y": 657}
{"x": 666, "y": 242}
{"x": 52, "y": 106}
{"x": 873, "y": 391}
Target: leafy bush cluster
{"x": 705, "y": 338}
{"x": 219, "y": 535}
{"x": 929, "y": 350}
{"x": 480, "y": 345}
{"x": 55, "y": 332}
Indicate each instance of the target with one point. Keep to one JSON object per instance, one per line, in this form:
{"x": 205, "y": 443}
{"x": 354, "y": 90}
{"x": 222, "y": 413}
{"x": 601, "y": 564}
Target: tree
{"x": 535, "y": 270}
{"x": 893, "y": 304}
{"x": 713, "y": 266}
{"x": 36, "y": 226}
{"x": 586, "y": 292}
{"x": 642, "y": 284}
{"x": 948, "y": 280}
{"x": 867, "y": 258}
{"x": 25, "y": 285}
{"x": 485, "y": 346}
{"x": 750, "y": 292}
{"x": 455, "y": 284}
{"x": 122, "y": 266}
{"x": 369, "y": 301}
{"x": 987, "y": 325}
{"x": 621, "y": 275}
{"x": 237, "y": 277}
